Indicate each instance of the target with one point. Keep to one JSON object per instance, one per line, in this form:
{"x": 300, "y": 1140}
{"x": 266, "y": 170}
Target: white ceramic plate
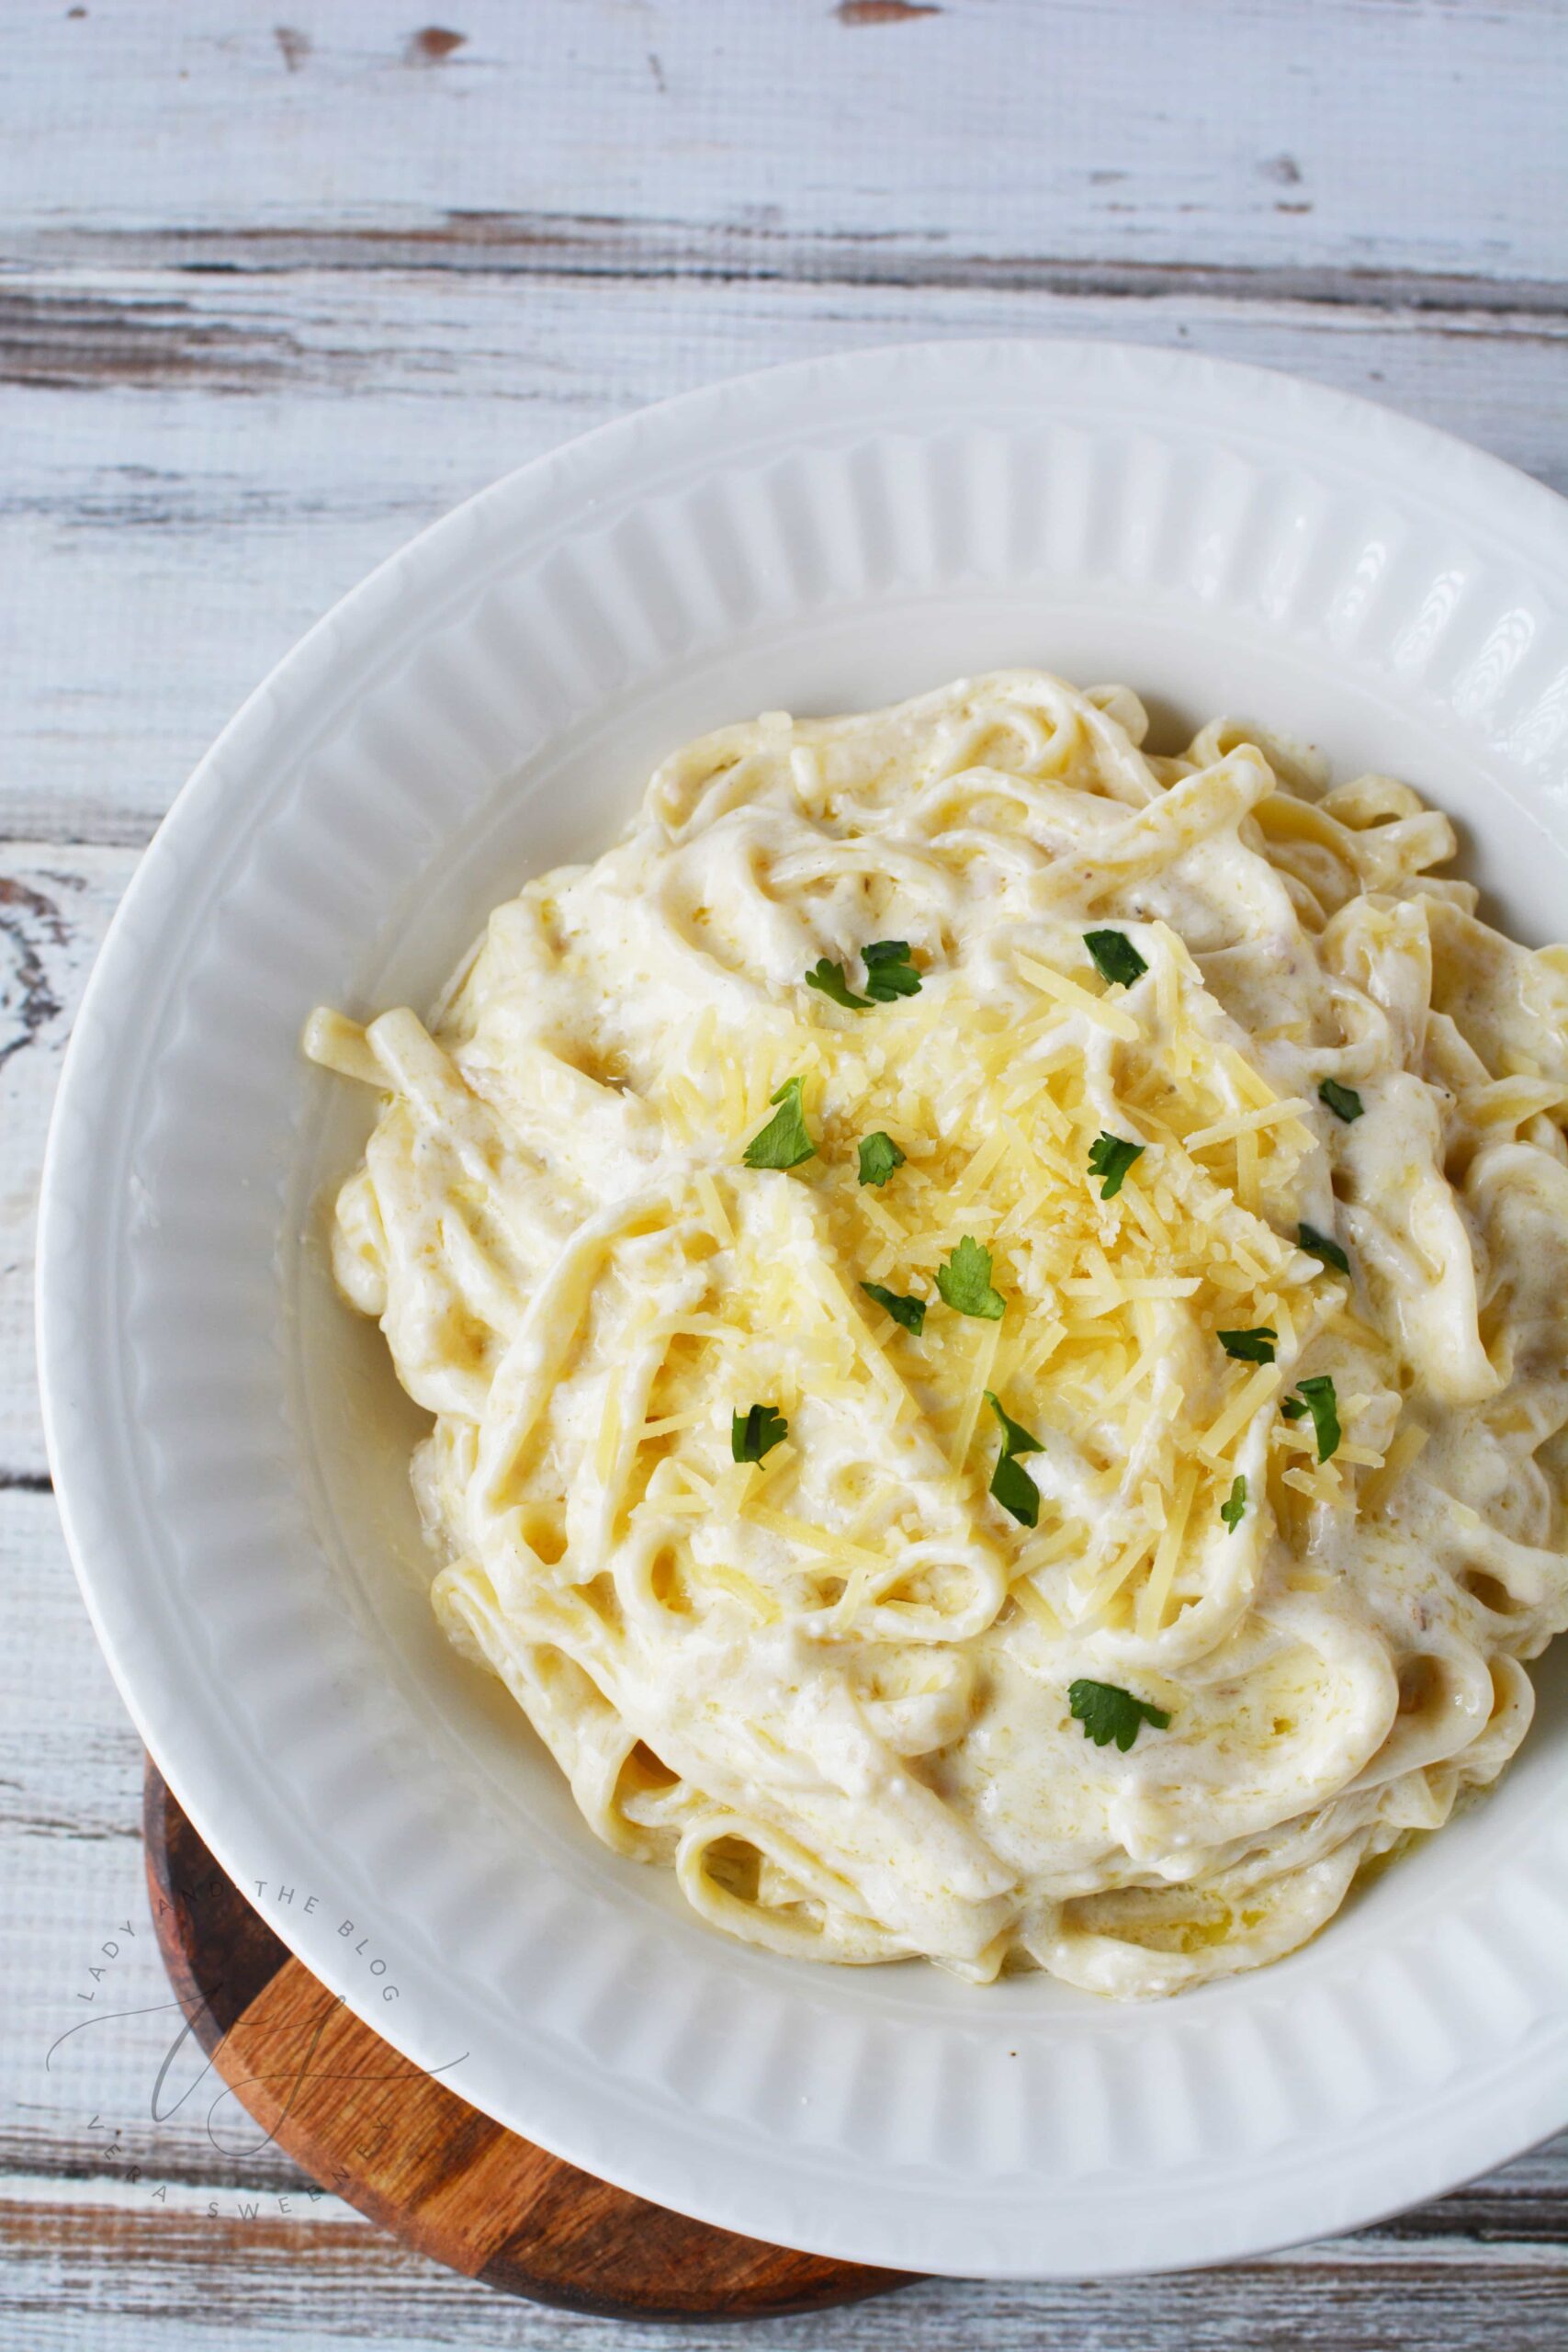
{"x": 230, "y": 1449}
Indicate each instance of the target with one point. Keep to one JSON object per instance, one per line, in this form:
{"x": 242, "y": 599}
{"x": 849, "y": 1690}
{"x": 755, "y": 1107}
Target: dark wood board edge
{"x": 416, "y": 2158}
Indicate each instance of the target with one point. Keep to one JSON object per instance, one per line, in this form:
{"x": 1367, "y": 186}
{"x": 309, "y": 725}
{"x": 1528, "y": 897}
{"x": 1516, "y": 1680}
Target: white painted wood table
{"x": 272, "y": 296}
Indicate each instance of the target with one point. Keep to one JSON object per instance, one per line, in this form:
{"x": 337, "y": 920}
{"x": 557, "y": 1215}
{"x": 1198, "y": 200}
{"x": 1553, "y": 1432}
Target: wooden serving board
{"x": 369, "y": 2125}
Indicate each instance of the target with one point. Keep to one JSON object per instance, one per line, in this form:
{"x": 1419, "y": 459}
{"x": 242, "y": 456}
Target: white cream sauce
{"x": 831, "y": 1689}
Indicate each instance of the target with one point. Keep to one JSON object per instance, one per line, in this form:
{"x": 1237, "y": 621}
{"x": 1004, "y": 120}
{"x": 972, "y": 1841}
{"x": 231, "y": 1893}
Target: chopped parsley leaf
{"x": 1011, "y": 1486}
{"x": 1316, "y": 1396}
{"x": 1250, "y": 1347}
{"x": 1015, "y": 1437}
{"x": 909, "y": 1312}
{"x": 830, "y": 979}
{"x": 1318, "y": 1245}
{"x": 879, "y": 1156}
{"x": 1232, "y": 1509}
{"x": 1293, "y": 1409}
{"x": 964, "y": 1282}
{"x": 1343, "y": 1101}
{"x": 1015, "y": 1490}
{"x": 888, "y": 974}
{"x": 1107, "y": 1713}
{"x": 756, "y": 1432}
{"x": 1110, "y": 1156}
{"x": 784, "y": 1142}
{"x": 1115, "y": 958}
{"x": 888, "y": 970}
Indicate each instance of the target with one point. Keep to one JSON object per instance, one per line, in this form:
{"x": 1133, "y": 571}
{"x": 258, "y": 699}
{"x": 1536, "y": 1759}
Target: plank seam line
{"x": 567, "y": 246}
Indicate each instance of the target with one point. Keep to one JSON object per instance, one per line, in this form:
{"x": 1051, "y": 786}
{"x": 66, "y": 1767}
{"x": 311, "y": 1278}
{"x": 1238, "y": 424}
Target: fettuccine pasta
{"x": 994, "y": 1312}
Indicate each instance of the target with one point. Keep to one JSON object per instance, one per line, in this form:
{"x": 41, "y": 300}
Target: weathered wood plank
{"x": 1424, "y": 138}
{"x": 146, "y": 322}
{"x": 545, "y": 248}
{"x": 165, "y": 2277}
{"x": 199, "y": 465}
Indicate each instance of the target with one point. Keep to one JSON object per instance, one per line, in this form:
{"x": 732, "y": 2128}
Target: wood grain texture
{"x": 417, "y": 2159}
{"x": 1383, "y": 136}
{"x": 350, "y": 275}
{"x": 277, "y": 286}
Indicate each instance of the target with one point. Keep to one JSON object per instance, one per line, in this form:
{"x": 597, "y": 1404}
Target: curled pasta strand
{"x": 979, "y": 1572}
{"x": 1145, "y": 1960}
{"x": 812, "y": 1912}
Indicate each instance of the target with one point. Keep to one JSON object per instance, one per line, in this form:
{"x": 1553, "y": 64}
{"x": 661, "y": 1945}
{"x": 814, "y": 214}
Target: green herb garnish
{"x": 1343, "y": 1101}
{"x": 888, "y": 974}
{"x": 1110, "y": 1156}
{"x": 756, "y": 1432}
{"x": 1107, "y": 1713}
{"x": 1318, "y": 1245}
{"x": 1012, "y": 1488}
{"x": 784, "y": 1142}
{"x": 830, "y": 979}
{"x": 879, "y": 1156}
{"x": 964, "y": 1282}
{"x": 1316, "y": 1396}
{"x": 909, "y": 1312}
{"x": 888, "y": 971}
{"x": 1250, "y": 1347}
{"x": 1115, "y": 957}
{"x": 1232, "y": 1509}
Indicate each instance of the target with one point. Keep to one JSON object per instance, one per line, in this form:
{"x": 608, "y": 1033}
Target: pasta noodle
{"x": 1156, "y": 1541}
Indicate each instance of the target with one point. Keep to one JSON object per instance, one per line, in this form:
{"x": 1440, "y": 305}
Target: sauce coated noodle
{"x": 833, "y": 1688}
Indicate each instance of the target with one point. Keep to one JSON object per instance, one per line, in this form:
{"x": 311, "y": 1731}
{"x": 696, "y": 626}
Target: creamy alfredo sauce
{"x": 1258, "y": 1632}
